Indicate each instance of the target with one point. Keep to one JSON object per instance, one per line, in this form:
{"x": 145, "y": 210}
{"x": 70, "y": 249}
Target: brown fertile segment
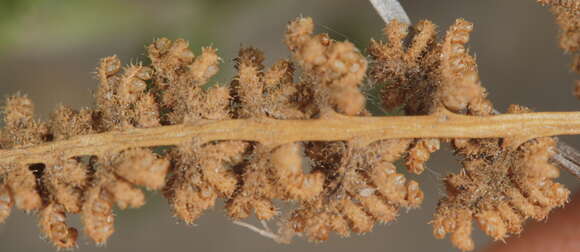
{"x": 52, "y": 224}
{"x": 495, "y": 170}
{"x": 408, "y": 75}
{"x": 65, "y": 181}
{"x": 6, "y": 203}
{"x": 270, "y": 137}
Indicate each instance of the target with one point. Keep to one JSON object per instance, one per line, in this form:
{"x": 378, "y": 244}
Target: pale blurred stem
{"x": 362, "y": 130}
{"x": 266, "y": 232}
{"x": 567, "y": 158}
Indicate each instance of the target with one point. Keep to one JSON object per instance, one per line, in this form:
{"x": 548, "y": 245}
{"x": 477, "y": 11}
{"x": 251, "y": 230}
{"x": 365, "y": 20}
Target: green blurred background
{"x": 49, "y": 50}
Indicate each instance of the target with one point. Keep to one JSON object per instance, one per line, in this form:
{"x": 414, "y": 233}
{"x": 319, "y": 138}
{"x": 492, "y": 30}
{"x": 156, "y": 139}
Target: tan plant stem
{"x": 518, "y": 127}
{"x": 565, "y": 157}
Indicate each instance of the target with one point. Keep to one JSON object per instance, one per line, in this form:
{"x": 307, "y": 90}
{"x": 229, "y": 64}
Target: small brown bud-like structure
{"x": 67, "y": 122}
{"x": 21, "y": 129}
{"x": 142, "y": 167}
{"x": 22, "y": 184}
{"x": 420, "y": 153}
{"x": 18, "y": 112}
{"x": 6, "y": 203}
{"x": 52, "y": 224}
{"x": 65, "y": 180}
{"x": 287, "y": 165}
{"x": 187, "y": 193}
{"x": 461, "y": 85}
{"x": 125, "y": 195}
{"x": 97, "y": 215}
{"x": 360, "y": 221}
{"x": 337, "y": 66}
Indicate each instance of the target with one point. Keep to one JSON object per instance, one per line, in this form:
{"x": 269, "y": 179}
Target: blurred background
{"x": 49, "y": 50}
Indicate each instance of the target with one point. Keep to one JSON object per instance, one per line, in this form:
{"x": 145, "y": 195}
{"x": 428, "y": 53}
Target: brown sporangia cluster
{"x": 362, "y": 188}
{"x": 500, "y": 187}
{"x": 502, "y": 183}
{"x": 567, "y": 15}
{"x": 354, "y": 184}
{"x": 428, "y": 75}
{"x": 337, "y": 186}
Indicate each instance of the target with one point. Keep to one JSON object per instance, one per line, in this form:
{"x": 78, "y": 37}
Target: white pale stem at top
{"x": 391, "y": 9}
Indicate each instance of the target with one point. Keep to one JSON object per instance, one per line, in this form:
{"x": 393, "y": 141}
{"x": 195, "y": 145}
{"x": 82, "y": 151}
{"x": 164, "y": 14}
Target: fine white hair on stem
{"x": 284, "y": 234}
{"x": 264, "y": 232}
{"x": 391, "y": 9}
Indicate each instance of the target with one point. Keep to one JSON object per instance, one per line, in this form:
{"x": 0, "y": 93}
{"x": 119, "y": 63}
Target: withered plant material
{"x": 53, "y": 226}
{"x": 361, "y": 184}
{"x": 362, "y": 188}
{"x": 503, "y": 182}
{"x": 407, "y": 73}
{"x": 500, "y": 188}
{"x": 6, "y": 202}
{"x": 333, "y": 71}
{"x": 65, "y": 180}
{"x": 296, "y": 132}
{"x": 123, "y": 100}
{"x": 113, "y": 181}
{"x": 428, "y": 76}
{"x": 200, "y": 175}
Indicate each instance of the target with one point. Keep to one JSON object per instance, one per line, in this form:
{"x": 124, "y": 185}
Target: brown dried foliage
{"x": 337, "y": 186}
{"x": 502, "y": 183}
